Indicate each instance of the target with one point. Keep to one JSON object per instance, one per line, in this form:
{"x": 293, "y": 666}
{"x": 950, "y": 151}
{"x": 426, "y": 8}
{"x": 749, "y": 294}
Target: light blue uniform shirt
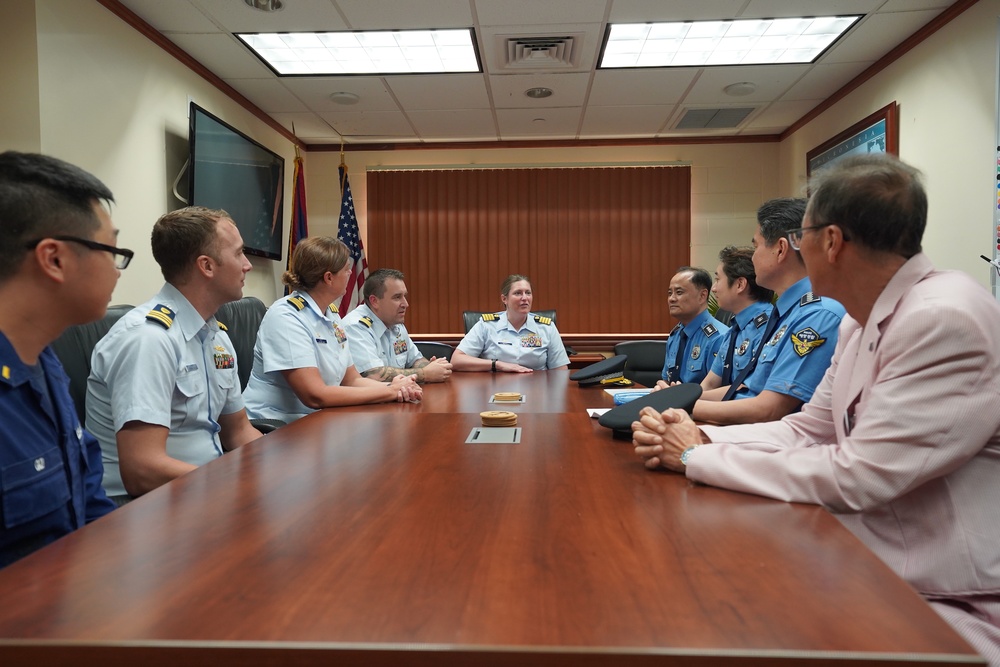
{"x": 373, "y": 345}
{"x": 162, "y": 364}
{"x": 535, "y": 345}
{"x": 295, "y": 333}
{"x": 795, "y": 358}
{"x": 753, "y": 323}
{"x": 704, "y": 336}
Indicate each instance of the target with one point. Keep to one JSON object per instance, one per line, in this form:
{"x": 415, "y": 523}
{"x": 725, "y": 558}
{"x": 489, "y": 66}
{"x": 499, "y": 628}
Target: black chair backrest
{"x": 434, "y": 349}
{"x": 724, "y": 316}
{"x": 470, "y": 317}
{"x": 76, "y": 346}
{"x": 645, "y": 360}
{"x": 242, "y": 319}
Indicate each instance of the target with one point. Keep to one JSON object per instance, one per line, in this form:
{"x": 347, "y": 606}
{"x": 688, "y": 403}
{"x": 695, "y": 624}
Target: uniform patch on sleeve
{"x": 806, "y": 341}
{"x": 162, "y": 315}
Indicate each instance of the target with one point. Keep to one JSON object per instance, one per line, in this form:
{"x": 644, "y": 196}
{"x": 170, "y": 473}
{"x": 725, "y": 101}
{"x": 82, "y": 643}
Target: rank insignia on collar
{"x": 5, "y": 372}
{"x": 297, "y": 302}
{"x": 806, "y": 341}
{"x": 760, "y": 320}
{"x": 696, "y": 352}
{"x": 222, "y": 327}
{"x": 162, "y": 315}
{"x": 334, "y": 309}
{"x": 365, "y": 320}
{"x": 709, "y": 330}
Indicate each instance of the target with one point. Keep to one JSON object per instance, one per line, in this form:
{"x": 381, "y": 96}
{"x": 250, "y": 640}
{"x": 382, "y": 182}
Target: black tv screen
{"x": 231, "y": 171}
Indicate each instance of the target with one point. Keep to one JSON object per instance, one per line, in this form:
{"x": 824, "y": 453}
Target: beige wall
{"x": 116, "y": 104}
{"x": 728, "y": 182}
{"x": 19, "y": 124}
{"x": 946, "y": 89}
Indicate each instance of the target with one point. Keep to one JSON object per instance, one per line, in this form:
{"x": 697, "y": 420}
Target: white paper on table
{"x": 594, "y": 413}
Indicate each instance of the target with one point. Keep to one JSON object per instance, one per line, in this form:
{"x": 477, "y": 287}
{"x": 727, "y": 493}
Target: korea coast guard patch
{"x": 806, "y": 341}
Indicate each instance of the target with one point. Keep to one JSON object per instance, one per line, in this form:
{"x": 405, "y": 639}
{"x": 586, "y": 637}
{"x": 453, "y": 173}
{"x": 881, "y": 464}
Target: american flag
{"x": 348, "y": 232}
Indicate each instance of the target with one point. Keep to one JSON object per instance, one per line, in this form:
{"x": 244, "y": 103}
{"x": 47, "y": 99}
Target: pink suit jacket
{"x": 901, "y": 439}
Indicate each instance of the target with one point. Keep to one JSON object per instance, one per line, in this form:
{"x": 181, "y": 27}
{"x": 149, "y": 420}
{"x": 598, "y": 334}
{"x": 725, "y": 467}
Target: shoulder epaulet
{"x": 162, "y": 315}
{"x": 709, "y": 329}
{"x": 808, "y": 298}
{"x": 367, "y": 321}
{"x": 761, "y": 319}
{"x": 334, "y": 309}
{"x": 490, "y": 317}
{"x": 222, "y": 327}
{"x": 296, "y": 302}
{"x": 541, "y": 319}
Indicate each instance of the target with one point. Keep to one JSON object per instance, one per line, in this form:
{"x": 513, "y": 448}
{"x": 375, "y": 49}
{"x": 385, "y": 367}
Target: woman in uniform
{"x": 301, "y": 361}
{"x": 514, "y": 341}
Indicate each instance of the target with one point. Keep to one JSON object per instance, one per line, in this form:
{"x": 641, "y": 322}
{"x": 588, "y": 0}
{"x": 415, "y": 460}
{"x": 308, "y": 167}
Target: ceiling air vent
{"x": 713, "y": 119}
{"x": 539, "y": 53}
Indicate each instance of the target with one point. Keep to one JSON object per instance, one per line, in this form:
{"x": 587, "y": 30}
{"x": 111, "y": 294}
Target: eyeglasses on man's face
{"x": 122, "y": 255}
{"x": 795, "y": 236}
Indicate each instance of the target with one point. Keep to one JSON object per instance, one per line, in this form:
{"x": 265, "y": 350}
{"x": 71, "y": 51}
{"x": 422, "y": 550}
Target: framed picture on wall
{"x": 877, "y": 133}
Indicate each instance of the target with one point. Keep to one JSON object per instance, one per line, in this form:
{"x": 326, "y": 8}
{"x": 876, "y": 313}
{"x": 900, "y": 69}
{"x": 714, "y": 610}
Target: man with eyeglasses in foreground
{"x": 902, "y": 438}
{"x": 60, "y": 267}
{"x": 163, "y": 396}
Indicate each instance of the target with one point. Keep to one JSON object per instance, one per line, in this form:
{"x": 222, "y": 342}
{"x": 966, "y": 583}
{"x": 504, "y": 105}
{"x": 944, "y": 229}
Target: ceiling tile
{"x": 463, "y": 124}
{"x": 178, "y": 16}
{"x": 268, "y": 94}
{"x": 307, "y": 126}
{"x": 607, "y": 121}
{"x": 395, "y": 15}
{"x": 876, "y": 35}
{"x": 370, "y": 124}
{"x": 781, "y": 114}
{"x": 567, "y": 90}
{"x": 533, "y": 12}
{"x": 641, "y": 11}
{"x": 759, "y": 9}
{"x": 639, "y": 87}
{"x": 529, "y": 123}
{"x": 315, "y": 92}
{"x": 296, "y": 16}
{"x": 914, "y": 5}
{"x": 228, "y": 58}
{"x": 771, "y": 82}
{"x": 822, "y": 80}
{"x": 461, "y": 91}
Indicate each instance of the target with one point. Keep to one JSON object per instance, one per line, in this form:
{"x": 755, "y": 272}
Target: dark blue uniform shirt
{"x": 50, "y": 468}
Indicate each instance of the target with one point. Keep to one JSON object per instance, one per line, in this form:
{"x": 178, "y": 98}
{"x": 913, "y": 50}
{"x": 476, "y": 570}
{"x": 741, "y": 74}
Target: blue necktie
{"x": 727, "y": 368}
{"x": 772, "y": 324}
{"x": 674, "y": 373}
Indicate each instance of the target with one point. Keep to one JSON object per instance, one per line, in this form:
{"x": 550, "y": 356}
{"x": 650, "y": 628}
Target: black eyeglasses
{"x": 122, "y": 256}
{"x": 795, "y": 236}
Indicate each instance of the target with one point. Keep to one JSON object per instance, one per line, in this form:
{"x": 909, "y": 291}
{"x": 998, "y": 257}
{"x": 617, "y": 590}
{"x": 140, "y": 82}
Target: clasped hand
{"x": 660, "y": 438}
{"x": 407, "y": 389}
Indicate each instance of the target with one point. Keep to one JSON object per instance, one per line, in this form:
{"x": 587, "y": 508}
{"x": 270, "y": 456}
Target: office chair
{"x": 645, "y": 360}
{"x": 76, "y": 346}
{"x": 242, "y": 320}
{"x": 724, "y": 316}
{"x": 433, "y": 349}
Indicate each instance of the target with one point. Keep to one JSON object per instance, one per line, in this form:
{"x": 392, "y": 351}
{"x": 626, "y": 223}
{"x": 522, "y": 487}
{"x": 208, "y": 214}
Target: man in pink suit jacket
{"x": 902, "y": 438}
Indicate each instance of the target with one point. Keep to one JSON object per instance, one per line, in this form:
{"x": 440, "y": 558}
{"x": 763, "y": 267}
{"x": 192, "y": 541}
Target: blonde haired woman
{"x": 302, "y": 361}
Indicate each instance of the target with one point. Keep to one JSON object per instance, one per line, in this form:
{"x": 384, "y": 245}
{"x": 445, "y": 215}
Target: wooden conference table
{"x": 375, "y": 536}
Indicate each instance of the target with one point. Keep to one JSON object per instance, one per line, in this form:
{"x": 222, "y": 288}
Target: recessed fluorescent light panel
{"x": 376, "y": 52}
{"x": 707, "y": 43}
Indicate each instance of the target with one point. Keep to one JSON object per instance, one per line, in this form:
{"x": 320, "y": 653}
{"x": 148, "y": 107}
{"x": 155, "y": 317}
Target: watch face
{"x": 686, "y": 454}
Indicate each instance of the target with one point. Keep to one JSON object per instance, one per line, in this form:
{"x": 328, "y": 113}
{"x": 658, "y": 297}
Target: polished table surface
{"x": 376, "y": 536}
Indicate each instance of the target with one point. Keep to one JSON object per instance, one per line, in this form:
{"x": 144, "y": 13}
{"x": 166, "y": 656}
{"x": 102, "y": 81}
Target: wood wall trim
{"x": 550, "y": 143}
{"x": 153, "y": 35}
{"x": 940, "y": 21}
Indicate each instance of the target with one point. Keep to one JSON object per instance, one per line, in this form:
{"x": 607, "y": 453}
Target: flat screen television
{"x": 231, "y": 171}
